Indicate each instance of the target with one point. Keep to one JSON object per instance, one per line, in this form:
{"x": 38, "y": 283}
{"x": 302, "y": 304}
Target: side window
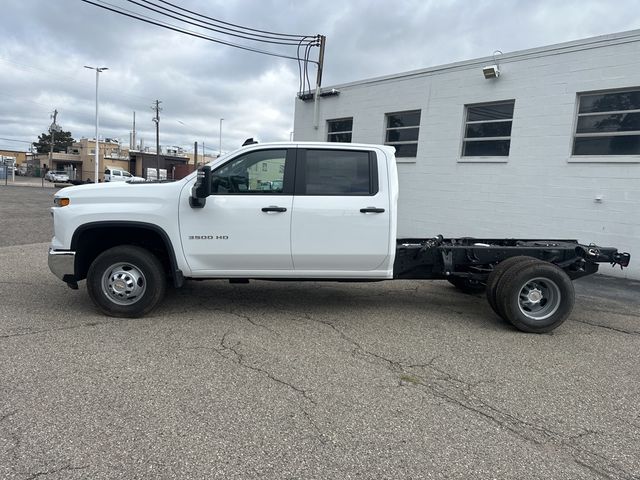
{"x": 339, "y": 130}
{"x": 126, "y": 174}
{"x": 487, "y": 130}
{"x": 608, "y": 123}
{"x": 260, "y": 172}
{"x": 402, "y": 132}
{"x": 116, "y": 173}
{"x": 339, "y": 172}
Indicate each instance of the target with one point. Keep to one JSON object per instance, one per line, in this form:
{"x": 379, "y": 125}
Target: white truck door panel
{"x": 341, "y": 211}
{"x": 245, "y": 225}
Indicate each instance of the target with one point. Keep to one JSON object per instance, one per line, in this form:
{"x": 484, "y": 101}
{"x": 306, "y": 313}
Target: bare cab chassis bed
{"x": 527, "y": 282}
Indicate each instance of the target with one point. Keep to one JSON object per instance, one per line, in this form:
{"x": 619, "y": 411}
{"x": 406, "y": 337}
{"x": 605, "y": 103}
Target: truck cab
{"x": 323, "y": 211}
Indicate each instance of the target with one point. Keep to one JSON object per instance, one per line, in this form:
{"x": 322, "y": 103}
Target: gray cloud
{"x": 46, "y": 43}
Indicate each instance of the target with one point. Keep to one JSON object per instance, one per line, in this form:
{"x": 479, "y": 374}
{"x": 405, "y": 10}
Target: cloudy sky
{"x": 46, "y": 43}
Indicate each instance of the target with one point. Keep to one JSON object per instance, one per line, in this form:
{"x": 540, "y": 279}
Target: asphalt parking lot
{"x": 306, "y": 380}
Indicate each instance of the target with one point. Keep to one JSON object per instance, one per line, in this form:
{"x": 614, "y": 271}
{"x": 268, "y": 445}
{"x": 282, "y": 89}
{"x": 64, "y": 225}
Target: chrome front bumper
{"x": 62, "y": 264}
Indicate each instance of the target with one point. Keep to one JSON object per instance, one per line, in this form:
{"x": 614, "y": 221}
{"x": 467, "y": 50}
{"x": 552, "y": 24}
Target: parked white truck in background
{"x": 115, "y": 174}
{"x": 321, "y": 211}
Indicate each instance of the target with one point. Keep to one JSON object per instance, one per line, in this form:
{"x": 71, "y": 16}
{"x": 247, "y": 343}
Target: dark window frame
{"x": 340, "y": 132}
{"x": 502, "y": 138}
{"x": 387, "y": 129}
{"x": 301, "y": 180}
{"x": 602, "y": 134}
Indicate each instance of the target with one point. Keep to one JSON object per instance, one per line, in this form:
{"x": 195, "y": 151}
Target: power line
{"x": 232, "y": 24}
{"x": 214, "y": 27}
{"x": 15, "y": 140}
{"x": 187, "y": 32}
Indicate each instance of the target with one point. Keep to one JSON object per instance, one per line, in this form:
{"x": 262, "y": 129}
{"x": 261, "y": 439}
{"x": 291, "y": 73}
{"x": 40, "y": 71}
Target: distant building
{"x": 176, "y": 165}
{"x": 79, "y": 160}
{"x": 549, "y": 148}
{"x": 20, "y": 156}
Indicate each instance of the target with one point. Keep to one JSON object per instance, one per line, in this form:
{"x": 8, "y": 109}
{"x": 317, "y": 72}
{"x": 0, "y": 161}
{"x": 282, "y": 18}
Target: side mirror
{"x": 202, "y": 188}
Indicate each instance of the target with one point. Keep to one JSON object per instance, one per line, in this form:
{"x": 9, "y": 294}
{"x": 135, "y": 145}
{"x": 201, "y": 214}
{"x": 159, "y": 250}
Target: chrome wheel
{"x": 124, "y": 283}
{"x": 539, "y": 298}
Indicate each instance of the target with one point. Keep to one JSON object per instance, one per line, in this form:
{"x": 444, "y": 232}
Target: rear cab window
{"x": 336, "y": 172}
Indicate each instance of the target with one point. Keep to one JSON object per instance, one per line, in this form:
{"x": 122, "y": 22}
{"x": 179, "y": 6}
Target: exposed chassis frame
{"x": 475, "y": 258}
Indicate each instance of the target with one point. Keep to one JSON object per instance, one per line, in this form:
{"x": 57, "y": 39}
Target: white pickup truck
{"x": 320, "y": 211}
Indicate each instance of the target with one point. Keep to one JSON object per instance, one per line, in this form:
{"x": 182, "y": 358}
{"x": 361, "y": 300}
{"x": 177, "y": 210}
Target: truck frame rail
{"x": 475, "y": 258}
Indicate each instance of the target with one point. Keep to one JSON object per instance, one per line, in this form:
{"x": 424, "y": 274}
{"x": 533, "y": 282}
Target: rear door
{"x": 341, "y": 212}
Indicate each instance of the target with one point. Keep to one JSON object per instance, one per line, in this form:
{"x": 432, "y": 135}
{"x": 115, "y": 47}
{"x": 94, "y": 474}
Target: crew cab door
{"x": 245, "y": 226}
{"x": 341, "y": 213}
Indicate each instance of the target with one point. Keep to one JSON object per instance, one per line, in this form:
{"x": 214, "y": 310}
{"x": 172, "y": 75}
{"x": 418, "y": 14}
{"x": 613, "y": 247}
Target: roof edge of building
{"x": 599, "y": 41}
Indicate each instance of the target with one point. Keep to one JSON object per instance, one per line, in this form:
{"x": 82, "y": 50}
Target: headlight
{"x": 60, "y": 201}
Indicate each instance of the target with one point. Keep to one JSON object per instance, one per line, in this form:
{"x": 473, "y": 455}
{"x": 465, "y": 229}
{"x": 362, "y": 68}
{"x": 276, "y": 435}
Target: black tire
{"x": 535, "y": 297}
{"x": 497, "y": 273}
{"x": 467, "y": 285}
{"x": 126, "y": 281}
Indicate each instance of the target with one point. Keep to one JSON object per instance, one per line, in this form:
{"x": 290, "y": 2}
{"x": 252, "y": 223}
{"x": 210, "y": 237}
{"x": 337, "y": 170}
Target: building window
{"x": 608, "y": 124}
{"x": 487, "y": 130}
{"x": 402, "y": 132}
{"x": 339, "y": 130}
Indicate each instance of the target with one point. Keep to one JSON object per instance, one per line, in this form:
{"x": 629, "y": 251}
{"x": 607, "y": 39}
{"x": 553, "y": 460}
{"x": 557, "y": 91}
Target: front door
{"x": 245, "y": 226}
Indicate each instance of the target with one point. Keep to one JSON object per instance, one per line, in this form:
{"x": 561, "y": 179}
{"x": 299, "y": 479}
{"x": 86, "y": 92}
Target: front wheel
{"x": 126, "y": 281}
{"x": 535, "y": 297}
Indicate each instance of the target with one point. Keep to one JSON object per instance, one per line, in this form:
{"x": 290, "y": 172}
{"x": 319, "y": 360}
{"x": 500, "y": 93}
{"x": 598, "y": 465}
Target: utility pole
{"x": 195, "y": 154}
{"x": 156, "y": 119}
{"x": 133, "y": 147}
{"x": 52, "y": 131}
{"x": 220, "y": 144}
{"x": 323, "y": 40}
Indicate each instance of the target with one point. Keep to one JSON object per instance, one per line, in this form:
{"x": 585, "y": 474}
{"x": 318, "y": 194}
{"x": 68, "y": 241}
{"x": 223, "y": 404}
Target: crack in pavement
{"x": 458, "y": 392}
{"x": 239, "y": 359}
{"x": 47, "y": 330}
{"x": 607, "y": 327}
{"x": 4, "y": 416}
{"x": 66, "y": 468}
{"x": 247, "y": 318}
{"x": 231, "y": 352}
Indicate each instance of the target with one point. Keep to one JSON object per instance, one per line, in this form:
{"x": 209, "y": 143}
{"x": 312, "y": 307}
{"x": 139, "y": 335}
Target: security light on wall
{"x": 492, "y": 71}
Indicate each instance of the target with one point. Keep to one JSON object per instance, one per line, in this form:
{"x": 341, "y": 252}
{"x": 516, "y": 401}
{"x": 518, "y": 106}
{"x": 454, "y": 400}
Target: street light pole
{"x": 220, "y": 144}
{"x": 97, "y": 143}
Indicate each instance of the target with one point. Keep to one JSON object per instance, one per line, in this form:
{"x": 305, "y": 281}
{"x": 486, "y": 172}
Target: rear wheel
{"x": 126, "y": 281}
{"x": 467, "y": 285}
{"x": 497, "y": 273}
{"x": 535, "y": 297}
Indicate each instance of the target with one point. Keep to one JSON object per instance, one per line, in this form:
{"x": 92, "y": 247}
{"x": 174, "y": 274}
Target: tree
{"x": 62, "y": 140}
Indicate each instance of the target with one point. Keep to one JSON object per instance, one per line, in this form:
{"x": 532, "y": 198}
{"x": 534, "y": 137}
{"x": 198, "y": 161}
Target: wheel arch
{"x": 93, "y": 238}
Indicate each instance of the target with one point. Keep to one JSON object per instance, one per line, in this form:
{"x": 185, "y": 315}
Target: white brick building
{"x": 550, "y": 148}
